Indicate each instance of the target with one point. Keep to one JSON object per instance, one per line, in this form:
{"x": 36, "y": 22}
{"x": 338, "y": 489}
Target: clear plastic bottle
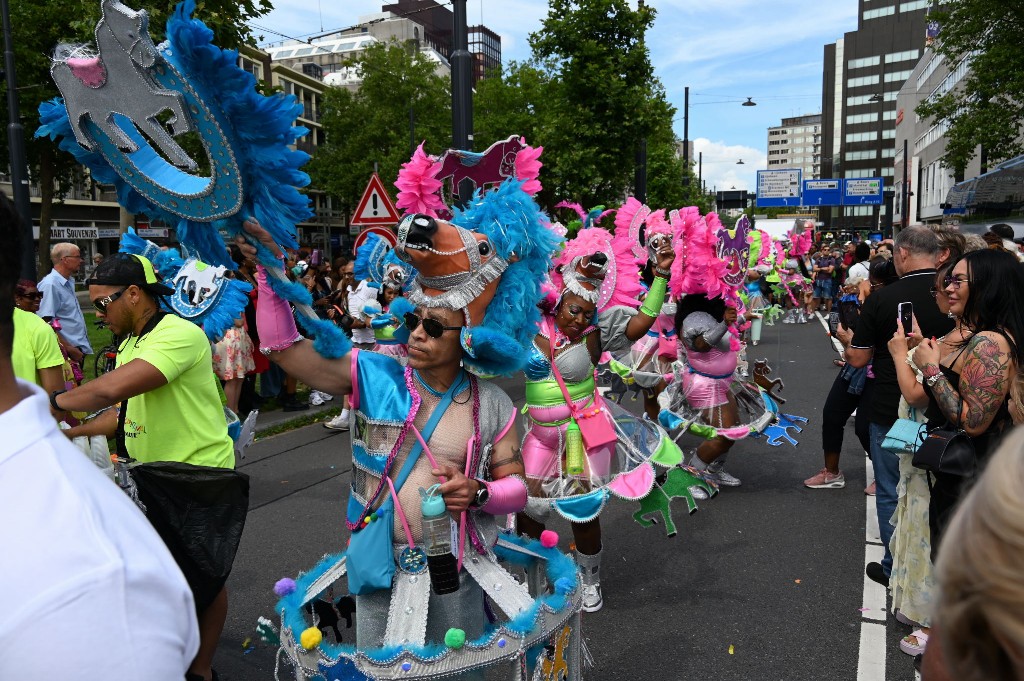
{"x": 437, "y": 542}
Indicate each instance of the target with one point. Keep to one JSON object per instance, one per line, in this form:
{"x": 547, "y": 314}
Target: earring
{"x": 460, "y": 362}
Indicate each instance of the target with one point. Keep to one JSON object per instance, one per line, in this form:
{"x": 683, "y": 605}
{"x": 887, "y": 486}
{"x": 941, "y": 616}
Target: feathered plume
{"x": 419, "y": 190}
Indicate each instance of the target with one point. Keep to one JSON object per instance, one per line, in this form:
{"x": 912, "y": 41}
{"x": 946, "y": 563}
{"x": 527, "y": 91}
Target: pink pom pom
{"x": 549, "y": 539}
{"x": 418, "y": 186}
{"x": 528, "y": 166}
{"x": 284, "y": 586}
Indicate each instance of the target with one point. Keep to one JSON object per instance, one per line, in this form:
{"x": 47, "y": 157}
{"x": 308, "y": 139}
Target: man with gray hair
{"x": 59, "y": 301}
{"x": 915, "y": 252}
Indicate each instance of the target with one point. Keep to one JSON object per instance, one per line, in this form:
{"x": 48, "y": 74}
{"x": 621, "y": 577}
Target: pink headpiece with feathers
{"x": 697, "y": 267}
{"x": 620, "y": 284}
{"x": 800, "y": 237}
{"x": 421, "y": 181}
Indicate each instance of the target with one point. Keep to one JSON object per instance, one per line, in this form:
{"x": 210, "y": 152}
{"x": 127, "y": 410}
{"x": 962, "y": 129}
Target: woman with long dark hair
{"x": 970, "y": 388}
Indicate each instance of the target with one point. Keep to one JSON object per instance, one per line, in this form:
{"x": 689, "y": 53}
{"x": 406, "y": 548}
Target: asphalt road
{"x": 764, "y": 582}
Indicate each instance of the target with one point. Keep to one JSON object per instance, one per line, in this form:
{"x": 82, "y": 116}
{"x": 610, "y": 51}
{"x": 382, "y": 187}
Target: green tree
{"x": 38, "y": 27}
{"x": 988, "y": 107}
{"x": 371, "y": 126}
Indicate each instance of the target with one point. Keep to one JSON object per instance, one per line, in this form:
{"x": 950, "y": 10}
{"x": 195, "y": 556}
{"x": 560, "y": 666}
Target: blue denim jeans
{"x": 887, "y": 478}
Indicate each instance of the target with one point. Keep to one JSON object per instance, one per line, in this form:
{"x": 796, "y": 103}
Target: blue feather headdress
{"x": 246, "y": 136}
{"x": 520, "y": 233}
{"x": 370, "y": 256}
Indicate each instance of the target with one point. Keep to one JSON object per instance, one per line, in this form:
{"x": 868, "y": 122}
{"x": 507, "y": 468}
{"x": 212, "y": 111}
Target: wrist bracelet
{"x": 665, "y": 274}
{"x": 53, "y": 400}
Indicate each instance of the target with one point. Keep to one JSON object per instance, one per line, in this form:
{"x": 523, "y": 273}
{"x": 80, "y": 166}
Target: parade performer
{"x": 378, "y": 265}
{"x": 789, "y": 263}
{"x": 705, "y": 395}
{"x": 433, "y": 441}
{"x": 576, "y": 451}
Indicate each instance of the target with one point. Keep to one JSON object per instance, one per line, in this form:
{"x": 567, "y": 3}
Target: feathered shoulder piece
{"x": 598, "y": 266}
{"x": 697, "y": 267}
{"x": 800, "y": 237}
{"x": 370, "y": 260}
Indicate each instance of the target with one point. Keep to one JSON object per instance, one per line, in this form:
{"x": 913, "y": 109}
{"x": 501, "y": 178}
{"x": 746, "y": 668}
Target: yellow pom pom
{"x": 311, "y": 638}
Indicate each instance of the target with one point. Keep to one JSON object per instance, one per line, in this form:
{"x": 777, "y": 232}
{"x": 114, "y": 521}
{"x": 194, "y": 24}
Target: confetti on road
{"x": 863, "y": 609}
{"x": 796, "y": 581}
{"x": 731, "y": 649}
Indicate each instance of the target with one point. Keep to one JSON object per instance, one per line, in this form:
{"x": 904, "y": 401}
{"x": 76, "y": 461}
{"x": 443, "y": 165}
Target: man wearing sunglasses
{"x": 59, "y": 301}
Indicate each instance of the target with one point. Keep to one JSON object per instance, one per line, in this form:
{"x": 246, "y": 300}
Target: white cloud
{"x": 720, "y": 168}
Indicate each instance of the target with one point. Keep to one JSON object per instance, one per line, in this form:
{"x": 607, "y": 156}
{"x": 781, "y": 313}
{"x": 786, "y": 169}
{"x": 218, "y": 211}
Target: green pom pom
{"x": 455, "y": 638}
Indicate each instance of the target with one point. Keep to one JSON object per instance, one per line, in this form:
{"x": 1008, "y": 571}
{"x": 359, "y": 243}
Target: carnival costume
{"x": 487, "y": 262}
{"x": 793, "y": 284}
{"x": 377, "y": 263}
{"x": 579, "y": 449}
{"x": 703, "y": 381}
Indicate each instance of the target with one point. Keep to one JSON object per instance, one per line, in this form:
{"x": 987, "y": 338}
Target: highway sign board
{"x": 827, "y": 192}
{"x": 778, "y": 188}
{"x": 864, "y": 191}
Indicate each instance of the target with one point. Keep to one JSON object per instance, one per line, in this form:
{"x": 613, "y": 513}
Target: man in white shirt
{"x": 90, "y": 591}
{"x": 358, "y": 297}
{"x": 59, "y": 300}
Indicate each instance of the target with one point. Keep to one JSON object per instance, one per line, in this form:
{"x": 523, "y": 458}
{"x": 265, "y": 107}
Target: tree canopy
{"x": 372, "y": 125}
{"x": 987, "y": 109}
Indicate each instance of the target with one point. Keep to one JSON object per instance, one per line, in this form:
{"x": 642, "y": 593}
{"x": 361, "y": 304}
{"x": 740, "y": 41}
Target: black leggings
{"x": 839, "y": 405}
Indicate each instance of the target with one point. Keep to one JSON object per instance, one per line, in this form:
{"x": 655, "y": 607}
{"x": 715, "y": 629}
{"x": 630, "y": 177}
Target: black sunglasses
{"x": 434, "y": 328}
{"x": 102, "y": 303}
{"x": 35, "y": 295}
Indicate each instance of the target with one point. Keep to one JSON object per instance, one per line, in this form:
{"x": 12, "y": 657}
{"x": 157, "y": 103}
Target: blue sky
{"x": 724, "y": 50}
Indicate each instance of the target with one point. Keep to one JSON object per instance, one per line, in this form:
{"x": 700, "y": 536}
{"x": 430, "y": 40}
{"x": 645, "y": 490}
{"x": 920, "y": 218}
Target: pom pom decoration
{"x": 455, "y": 638}
{"x": 284, "y": 586}
{"x": 549, "y": 539}
{"x": 419, "y": 190}
{"x": 311, "y": 638}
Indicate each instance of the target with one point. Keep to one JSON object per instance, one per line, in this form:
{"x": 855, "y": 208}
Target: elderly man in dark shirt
{"x": 915, "y": 254}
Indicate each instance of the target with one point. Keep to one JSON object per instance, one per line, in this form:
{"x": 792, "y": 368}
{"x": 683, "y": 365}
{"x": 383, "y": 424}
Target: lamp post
{"x": 462, "y": 91}
{"x": 16, "y": 151}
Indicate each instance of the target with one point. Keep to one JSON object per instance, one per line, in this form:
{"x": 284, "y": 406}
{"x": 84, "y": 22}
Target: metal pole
{"x": 700, "y": 167}
{"x": 462, "y": 91}
{"x": 640, "y": 172}
{"x": 686, "y": 136}
{"x": 16, "y": 149}
{"x": 905, "y": 193}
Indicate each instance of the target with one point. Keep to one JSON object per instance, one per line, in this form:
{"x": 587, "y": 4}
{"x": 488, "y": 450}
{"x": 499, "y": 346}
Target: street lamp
{"x": 750, "y": 102}
{"x": 740, "y": 162}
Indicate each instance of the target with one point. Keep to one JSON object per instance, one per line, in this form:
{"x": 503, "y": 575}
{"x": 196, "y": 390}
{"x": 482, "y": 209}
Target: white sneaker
{"x": 326, "y": 397}
{"x": 592, "y": 600}
{"x": 316, "y": 398}
{"x": 339, "y": 422}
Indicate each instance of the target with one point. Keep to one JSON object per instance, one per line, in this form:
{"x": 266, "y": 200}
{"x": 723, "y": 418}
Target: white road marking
{"x": 871, "y": 658}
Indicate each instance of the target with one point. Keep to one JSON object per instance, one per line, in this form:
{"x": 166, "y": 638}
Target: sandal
{"x": 915, "y": 643}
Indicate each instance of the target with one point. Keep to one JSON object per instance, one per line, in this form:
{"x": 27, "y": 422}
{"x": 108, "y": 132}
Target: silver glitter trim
{"x": 506, "y": 592}
{"x": 407, "y": 614}
{"x": 460, "y": 297}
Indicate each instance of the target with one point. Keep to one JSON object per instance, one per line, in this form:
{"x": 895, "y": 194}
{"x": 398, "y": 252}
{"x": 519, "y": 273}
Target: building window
{"x": 879, "y": 12}
{"x": 897, "y": 76}
{"x": 889, "y": 134}
{"x": 861, "y": 118}
{"x": 916, "y": 4}
{"x": 861, "y": 155}
{"x": 862, "y": 62}
{"x": 862, "y": 81}
{"x": 909, "y": 55}
{"x": 862, "y": 137}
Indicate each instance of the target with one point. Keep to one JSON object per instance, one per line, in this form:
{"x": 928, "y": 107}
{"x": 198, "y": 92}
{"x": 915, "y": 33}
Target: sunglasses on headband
{"x": 434, "y": 328}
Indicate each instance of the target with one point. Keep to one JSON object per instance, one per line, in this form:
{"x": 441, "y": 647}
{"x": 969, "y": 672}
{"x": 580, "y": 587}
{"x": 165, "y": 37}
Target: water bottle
{"x": 437, "y": 542}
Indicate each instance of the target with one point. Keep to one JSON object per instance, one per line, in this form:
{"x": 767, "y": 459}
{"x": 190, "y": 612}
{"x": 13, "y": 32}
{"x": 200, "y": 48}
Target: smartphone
{"x": 906, "y": 314}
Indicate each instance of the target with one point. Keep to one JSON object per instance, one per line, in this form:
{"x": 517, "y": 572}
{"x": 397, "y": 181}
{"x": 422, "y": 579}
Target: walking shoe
{"x": 876, "y": 573}
{"x": 592, "y": 600}
{"x": 315, "y": 398}
{"x": 825, "y": 480}
{"x": 870, "y": 489}
{"x": 339, "y": 422}
{"x": 721, "y": 477}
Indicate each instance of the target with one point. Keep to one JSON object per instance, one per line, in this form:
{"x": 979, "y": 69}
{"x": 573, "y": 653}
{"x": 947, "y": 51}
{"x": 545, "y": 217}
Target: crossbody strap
{"x": 120, "y": 446}
{"x": 428, "y": 430}
{"x": 549, "y": 325}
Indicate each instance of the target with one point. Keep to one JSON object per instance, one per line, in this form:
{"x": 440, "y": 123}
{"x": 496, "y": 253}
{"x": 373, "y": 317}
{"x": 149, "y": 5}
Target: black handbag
{"x": 948, "y": 450}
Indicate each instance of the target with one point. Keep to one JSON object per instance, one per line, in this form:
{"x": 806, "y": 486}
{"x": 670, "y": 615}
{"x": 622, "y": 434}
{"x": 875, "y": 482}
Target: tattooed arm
{"x": 984, "y": 383}
{"x": 507, "y": 458}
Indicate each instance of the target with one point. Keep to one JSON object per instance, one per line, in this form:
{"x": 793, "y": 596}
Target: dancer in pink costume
{"x": 578, "y": 448}
{"x": 706, "y": 397}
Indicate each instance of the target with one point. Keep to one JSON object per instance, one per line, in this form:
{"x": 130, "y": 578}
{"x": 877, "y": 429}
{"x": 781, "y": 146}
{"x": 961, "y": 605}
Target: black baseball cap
{"x": 124, "y": 269}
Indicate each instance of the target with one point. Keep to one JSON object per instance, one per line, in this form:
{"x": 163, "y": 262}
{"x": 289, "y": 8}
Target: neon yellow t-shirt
{"x": 183, "y": 420}
{"x": 35, "y": 346}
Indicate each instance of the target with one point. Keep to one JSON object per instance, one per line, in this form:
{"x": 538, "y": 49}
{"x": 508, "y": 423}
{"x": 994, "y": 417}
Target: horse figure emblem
{"x": 491, "y": 167}
{"x": 114, "y": 89}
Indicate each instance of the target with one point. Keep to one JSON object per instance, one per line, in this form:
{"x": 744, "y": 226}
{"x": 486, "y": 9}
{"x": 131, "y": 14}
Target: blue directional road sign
{"x": 778, "y": 188}
{"x": 865, "y": 191}
{"x": 823, "y": 192}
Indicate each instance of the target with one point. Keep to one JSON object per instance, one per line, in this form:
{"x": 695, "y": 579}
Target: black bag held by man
{"x": 947, "y": 450}
{"x": 198, "y": 511}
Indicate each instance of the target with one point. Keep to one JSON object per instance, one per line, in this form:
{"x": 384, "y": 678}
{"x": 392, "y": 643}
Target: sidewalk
{"x": 270, "y": 419}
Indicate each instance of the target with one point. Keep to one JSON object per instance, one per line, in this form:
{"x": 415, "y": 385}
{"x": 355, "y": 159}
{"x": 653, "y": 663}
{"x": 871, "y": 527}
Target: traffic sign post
{"x": 778, "y": 188}
{"x": 375, "y": 207}
{"x": 823, "y": 193}
{"x": 383, "y": 232}
{"x": 866, "y": 191}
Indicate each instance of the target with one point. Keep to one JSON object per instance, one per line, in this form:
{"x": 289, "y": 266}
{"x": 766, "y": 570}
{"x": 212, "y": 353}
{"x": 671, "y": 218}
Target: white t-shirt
{"x": 858, "y": 269}
{"x": 90, "y": 591}
{"x": 357, "y": 300}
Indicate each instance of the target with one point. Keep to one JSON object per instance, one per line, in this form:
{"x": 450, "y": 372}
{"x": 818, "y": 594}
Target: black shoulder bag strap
{"x": 120, "y": 447}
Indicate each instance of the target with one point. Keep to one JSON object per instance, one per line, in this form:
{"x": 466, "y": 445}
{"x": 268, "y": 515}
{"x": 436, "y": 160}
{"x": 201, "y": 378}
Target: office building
{"x": 796, "y": 143}
{"x": 864, "y": 70}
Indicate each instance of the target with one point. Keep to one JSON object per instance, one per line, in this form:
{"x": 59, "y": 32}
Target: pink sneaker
{"x": 870, "y": 489}
{"x": 826, "y": 480}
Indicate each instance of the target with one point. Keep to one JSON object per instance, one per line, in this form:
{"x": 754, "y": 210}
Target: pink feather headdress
{"x": 800, "y": 237}
{"x": 421, "y": 180}
{"x": 621, "y": 283}
{"x": 697, "y": 267}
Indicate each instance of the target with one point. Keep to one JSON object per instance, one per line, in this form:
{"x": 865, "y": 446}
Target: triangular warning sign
{"x": 375, "y": 208}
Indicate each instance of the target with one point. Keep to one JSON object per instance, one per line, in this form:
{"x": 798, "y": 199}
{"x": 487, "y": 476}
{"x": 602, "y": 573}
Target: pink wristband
{"x": 274, "y": 319}
{"x": 507, "y": 495}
